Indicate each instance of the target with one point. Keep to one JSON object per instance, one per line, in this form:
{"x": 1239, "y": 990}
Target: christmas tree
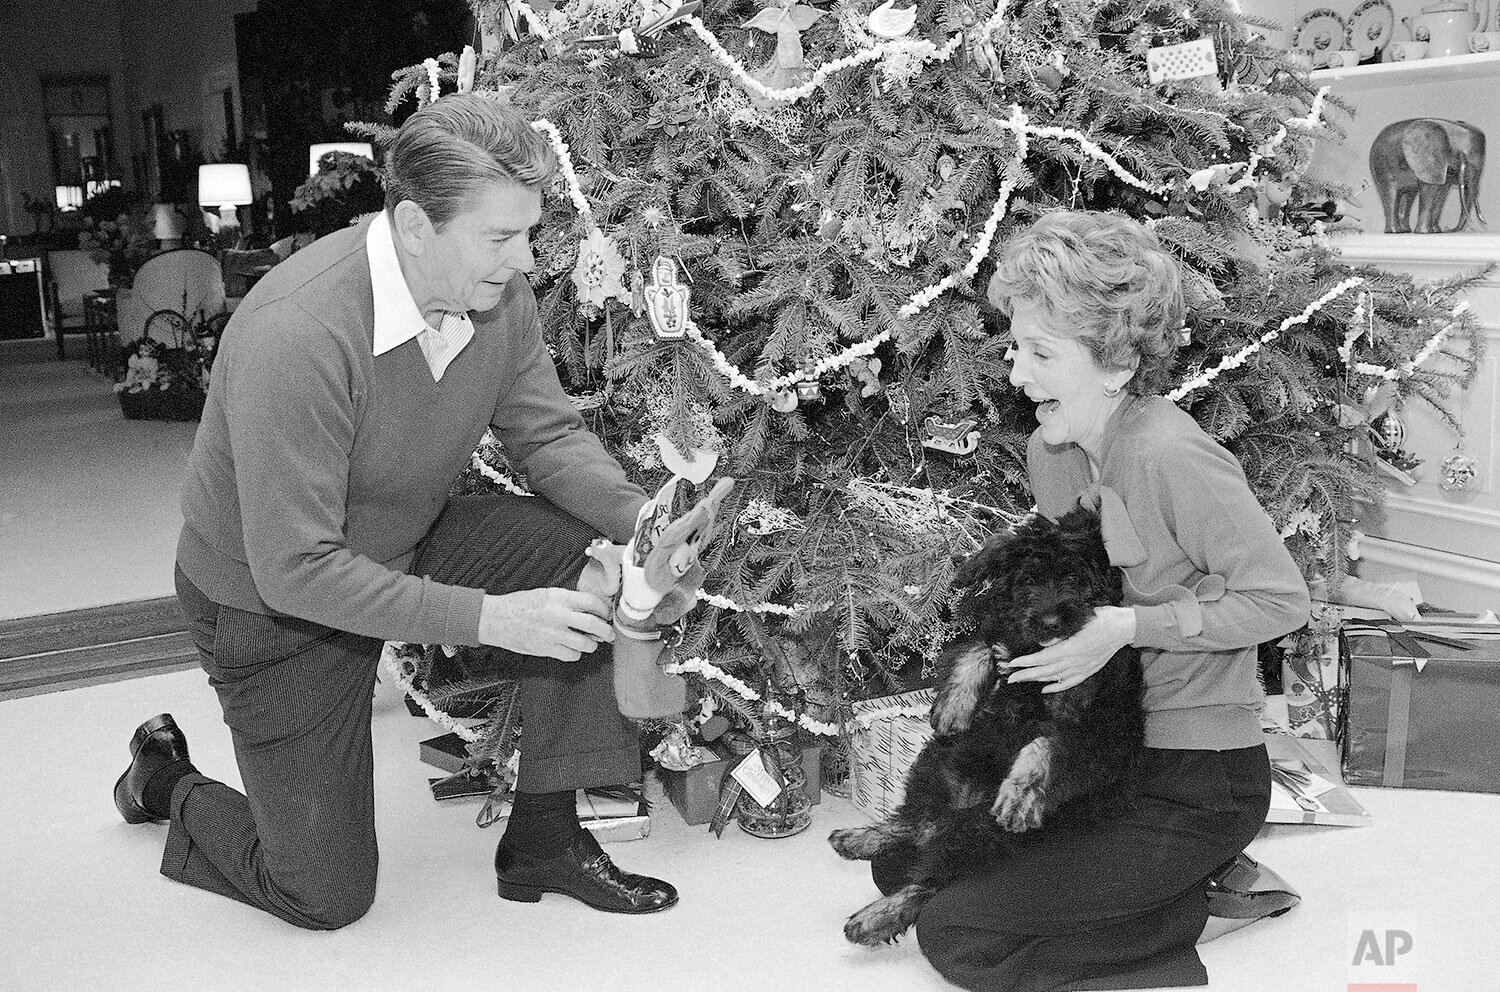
{"x": 818, "y": 190}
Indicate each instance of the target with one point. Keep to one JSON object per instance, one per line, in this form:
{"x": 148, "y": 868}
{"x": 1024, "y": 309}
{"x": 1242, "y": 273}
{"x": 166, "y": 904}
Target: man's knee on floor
{"x": 335, "y": 906}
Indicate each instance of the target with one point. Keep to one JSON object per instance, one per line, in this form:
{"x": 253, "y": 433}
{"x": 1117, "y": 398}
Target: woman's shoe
{"x": 1242, "y": 891}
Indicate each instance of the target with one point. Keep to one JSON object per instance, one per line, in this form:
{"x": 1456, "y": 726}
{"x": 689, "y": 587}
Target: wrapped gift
{"x": 695, "y": 792}
{"x": 889, "y": 734}
{"x": 1424, "y": 705}
{"x": 1313, "y": 677}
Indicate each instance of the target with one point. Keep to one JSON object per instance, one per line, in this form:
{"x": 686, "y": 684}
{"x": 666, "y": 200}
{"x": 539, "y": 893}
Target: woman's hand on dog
{"x": 1070, "y": 661}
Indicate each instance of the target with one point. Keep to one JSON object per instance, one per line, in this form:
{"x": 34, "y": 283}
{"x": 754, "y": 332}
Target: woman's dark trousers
{"x": 300, "y": 841}
{"x": 1112, "y": 905}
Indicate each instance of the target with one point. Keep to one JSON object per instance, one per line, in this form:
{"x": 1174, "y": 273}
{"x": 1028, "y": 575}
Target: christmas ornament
{"x": 782, "y": 400}
{"x": 466, "y": 63}
{"x": 1390, "y": 430}
{"x": 666, "y": 300}
{"x": 945, "y": 167}
{"x": 695, "y": 465}
{"x": 786, "y": 20}
{"x": 900, "y": 403}
{"x": 954, "y": 437}
{"x": 890, "y": 23}
{"x": 656, "y": 18}
{"x": 598, "y": 274}
{"x": 868, "y": 373}
{"x": 809, "y": 390}
{"x": 637, "y": 293}
{"x": 1459, "y": 472}
{"x": 1185, "y": 61}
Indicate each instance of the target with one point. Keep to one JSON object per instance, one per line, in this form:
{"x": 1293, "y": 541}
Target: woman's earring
{"x": 1112, "y": 393}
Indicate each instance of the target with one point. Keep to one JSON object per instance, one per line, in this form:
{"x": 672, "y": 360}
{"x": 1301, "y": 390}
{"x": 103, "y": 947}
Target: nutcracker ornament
{"x": 808, "y": 388}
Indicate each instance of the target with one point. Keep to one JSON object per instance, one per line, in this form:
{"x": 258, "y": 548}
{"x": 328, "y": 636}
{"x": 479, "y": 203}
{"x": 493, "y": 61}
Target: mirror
{"x": 80, "y": 131}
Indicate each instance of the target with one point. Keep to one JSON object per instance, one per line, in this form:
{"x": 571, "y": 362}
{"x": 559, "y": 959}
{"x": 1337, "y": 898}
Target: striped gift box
{"x": 890, "y": 732}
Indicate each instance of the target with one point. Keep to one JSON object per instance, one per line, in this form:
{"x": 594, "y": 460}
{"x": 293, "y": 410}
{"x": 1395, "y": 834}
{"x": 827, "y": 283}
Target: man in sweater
{"x": 350, "y": 388}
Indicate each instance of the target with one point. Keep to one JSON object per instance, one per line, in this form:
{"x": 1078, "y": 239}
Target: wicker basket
{"x": 162, "y": 404}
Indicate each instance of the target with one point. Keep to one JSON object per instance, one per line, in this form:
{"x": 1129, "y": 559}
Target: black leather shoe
{"x": 582, "y": 870}
{"x": 155, "y": 744}
{"x": 1245, "y": 889}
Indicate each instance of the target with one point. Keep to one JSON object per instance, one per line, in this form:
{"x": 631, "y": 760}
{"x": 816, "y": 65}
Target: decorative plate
{"x": 1320, "y": 32}
{"x": 1370, "y": 28}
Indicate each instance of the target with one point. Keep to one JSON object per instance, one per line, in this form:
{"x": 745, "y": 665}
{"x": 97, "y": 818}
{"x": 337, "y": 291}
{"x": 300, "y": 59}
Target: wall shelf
{"x": 1465, "y": 249}
{"x": 1383, "y": 74}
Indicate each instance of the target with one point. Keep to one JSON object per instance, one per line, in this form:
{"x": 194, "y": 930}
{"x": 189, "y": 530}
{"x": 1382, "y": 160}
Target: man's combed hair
{"x": 1103, "y": 279}
{"x": 461, "y": 144}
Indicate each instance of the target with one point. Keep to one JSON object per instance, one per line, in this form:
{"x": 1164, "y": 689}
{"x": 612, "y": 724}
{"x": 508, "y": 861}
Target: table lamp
{"x": 224, "y": 186}
{"x": 167, "y": 225}
{"x": 69, "y": 197}
{"x": 316, "y": 152}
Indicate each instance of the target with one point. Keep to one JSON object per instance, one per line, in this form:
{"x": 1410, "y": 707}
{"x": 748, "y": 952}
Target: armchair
{"x": 184, "y": 280}
{"x": 72, "y": 275}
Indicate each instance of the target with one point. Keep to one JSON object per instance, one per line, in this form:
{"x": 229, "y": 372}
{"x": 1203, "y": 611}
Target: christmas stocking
{"x": 656, "y": 577}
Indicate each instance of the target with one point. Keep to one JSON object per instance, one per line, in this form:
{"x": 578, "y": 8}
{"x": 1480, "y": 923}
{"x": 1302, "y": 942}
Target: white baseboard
{"x": 1456, "y": 582}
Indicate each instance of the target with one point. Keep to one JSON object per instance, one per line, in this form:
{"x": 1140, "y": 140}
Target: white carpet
{"x": 84, "y": 908}
{"x": 88, "y": 500}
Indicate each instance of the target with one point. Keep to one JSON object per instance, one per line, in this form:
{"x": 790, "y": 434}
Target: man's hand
{"x": 1070, "y": 661}
{"x": 550, "y": 623}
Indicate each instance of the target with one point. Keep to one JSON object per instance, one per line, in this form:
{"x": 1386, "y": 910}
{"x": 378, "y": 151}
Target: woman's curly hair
{"x": 1103, "y": 279}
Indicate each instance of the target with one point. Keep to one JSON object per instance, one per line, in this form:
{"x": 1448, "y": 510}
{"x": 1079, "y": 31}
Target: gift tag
{"x": 1185, "y": 61}
{"x": 753, "y": 774}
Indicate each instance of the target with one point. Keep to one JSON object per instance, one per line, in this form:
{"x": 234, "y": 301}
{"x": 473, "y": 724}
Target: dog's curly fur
{"x": 1005, "y": 758}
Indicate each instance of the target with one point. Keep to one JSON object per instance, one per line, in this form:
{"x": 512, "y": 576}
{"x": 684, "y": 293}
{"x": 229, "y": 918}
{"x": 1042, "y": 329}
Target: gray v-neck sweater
{"x": 1213, "y": 579}
{"x": 318, "y": 467}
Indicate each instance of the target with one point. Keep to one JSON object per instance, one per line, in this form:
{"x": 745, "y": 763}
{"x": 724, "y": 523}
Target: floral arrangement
{"x": 125, "y": 243}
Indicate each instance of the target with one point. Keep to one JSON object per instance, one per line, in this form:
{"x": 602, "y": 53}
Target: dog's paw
{"x": 881, "y": 922}
{"x": 1018, "y": 806}
{"x": 856, "y": 843}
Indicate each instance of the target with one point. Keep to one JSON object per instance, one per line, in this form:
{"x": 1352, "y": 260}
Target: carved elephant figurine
{"x": 1421, "y": 159}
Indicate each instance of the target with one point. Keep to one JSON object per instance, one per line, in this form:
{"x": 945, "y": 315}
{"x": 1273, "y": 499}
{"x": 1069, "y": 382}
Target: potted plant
{"x": 345, "y": 186}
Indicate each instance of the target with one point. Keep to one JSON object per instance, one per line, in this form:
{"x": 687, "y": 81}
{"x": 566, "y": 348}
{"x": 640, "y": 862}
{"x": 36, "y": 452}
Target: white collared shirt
{"x": 397, "y": 319}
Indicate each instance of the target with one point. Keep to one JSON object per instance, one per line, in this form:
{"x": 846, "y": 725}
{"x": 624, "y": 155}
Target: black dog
{"x": 1005, "y": 757}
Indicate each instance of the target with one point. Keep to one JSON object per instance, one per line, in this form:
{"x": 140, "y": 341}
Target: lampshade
{"x": 69, "y": 197}
{"x": 167, "y": 223}
{"x": 224, "y": 185}
{"x": 316, "y": 152}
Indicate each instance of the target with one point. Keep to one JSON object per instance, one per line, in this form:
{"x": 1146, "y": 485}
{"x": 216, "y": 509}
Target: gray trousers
{"x": 300, "y": 841}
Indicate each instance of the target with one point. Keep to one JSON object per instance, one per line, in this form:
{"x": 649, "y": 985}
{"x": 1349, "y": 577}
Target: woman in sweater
{"x": 1095, "y": 307}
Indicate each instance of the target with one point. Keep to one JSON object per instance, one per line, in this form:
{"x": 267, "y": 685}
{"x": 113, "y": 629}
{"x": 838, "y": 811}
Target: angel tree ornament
{"x": 666, "y": 300}
{"x": 786, "y": 19}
